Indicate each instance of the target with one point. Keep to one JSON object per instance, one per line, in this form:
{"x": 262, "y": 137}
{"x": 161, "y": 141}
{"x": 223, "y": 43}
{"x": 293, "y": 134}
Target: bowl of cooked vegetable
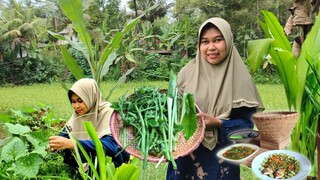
{"x": 238, "y": 153}
{"x": 281, "y": 164}
{"x": 157, "y": 125}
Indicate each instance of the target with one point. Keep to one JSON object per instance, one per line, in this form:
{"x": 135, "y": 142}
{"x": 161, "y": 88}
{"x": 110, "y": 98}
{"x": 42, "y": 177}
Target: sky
{"x": 123, "y": 4}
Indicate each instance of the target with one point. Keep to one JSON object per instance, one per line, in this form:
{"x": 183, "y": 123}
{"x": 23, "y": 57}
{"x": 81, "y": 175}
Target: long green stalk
{"x": 144, "y": 150}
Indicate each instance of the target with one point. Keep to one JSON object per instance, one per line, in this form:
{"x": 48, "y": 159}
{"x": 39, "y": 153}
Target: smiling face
{"x": 213, "y": 46}
{"x": 78, "y": 104}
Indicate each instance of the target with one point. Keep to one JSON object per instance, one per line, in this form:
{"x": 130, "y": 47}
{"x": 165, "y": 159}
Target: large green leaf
{"x": 188, "y": 116}
{"x": 17, "y": 129}
{"x": 89, "y": 161}
{"x": 29, "y": 165}
{"x": 72, "y": 64}
{"x": 73, "y": 10}
{"x": 172, "y": 85}
{"x": 279, "y": 48}
{"x": 39, "y": 140}
{"x": 111, "y": 169}
{"x": 276, "y": 31}
{"x": 75, "y": 44}
{"x": 13, "y": 150}
{"x": 107, "y": 64}
{"x": 127, "y": 171}
{"x": 98, "y": 146}
{"x": 258, "y": 50}
{"x": 288, "y": 75}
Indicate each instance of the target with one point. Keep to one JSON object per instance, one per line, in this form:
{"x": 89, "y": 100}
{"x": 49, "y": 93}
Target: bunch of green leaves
{"x": 298, "y": 75}
{"x": 36, "y": 118}
{"x": 25, "y": 151}
{"x": 157, "y": 116}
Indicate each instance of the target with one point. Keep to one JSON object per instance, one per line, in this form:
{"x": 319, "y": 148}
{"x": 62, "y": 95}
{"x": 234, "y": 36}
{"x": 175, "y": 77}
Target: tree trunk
{"x": 135, "y": 7}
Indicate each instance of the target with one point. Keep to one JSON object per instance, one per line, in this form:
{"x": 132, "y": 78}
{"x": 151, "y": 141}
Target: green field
{"x": 273, "y": 97}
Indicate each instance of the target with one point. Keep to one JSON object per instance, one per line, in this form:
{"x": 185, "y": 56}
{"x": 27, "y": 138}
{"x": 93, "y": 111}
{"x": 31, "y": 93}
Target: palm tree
{"x": 18, "y": 33}
{"x": 141, "y": 5}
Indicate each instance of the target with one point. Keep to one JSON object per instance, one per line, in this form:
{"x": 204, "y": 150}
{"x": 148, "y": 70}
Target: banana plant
{"x": 296, "y": 74}
{"x": 99, "y": 61}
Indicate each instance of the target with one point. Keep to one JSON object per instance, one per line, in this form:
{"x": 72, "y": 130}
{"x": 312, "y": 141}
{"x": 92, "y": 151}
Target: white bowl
{"x": 238, "y": 161}
{"x": 305, "y": 165}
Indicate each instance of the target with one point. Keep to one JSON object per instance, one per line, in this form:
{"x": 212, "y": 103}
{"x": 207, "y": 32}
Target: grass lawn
{"x": 273, "y": 97}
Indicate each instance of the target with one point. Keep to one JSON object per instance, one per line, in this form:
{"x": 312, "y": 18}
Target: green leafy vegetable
{"x": 188, "y": 118}
{"x": 157, "y": 116}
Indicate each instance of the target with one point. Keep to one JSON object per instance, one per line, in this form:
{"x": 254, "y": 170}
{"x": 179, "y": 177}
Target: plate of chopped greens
{"x": 238, "y": 153}
{"x": 281, "y": 164}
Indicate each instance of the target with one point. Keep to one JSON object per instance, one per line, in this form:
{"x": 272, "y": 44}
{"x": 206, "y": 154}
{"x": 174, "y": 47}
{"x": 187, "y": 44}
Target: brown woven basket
{"x": 183, "y": 147}
{"x": 275, "y": 127}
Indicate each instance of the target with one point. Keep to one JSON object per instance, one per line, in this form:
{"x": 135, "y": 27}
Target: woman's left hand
{"x": 59, "y": 143}
{"x": 209, "y": 120}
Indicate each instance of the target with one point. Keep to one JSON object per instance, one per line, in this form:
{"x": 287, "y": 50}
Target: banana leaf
{"x": 73, "y": 10}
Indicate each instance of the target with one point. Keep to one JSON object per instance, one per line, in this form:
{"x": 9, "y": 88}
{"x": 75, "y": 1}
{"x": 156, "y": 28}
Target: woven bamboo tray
{"x": 275, "y": 128}
{"x": 183, "y": 147}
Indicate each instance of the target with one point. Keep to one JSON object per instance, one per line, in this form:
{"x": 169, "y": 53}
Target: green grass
{"x": 54, "y": 95}
{"x": 273, "y": 97}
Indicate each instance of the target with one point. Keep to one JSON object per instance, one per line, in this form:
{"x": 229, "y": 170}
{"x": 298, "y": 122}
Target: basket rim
{"x": 275, "y": 113}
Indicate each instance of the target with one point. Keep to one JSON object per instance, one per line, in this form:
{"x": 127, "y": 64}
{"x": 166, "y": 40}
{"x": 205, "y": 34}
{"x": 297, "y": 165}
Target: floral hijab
{"x": 99, "y": 110}
{"x": 219, "y": 88}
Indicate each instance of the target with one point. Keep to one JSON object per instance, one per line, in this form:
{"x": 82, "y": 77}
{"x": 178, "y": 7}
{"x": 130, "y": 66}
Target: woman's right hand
{"x": 210, "y": 121}
{"x": 60, "y": 143}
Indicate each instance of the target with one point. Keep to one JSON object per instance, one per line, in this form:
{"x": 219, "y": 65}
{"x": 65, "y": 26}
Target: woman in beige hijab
{"x": 224, "y": 91}
{"x": 88, "y": 105}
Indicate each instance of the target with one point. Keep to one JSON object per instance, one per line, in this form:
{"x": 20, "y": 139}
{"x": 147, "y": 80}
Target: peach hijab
{"x": 219, "y": 88}
{"x": 99, "y": 110}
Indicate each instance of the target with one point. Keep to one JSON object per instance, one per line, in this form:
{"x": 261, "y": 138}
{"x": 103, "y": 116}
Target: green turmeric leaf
{"x": 188, "y": 116}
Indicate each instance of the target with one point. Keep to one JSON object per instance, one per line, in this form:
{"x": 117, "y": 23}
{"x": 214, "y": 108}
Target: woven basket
{"x": 183, "y": 147}
{"x": 275, "y": 128}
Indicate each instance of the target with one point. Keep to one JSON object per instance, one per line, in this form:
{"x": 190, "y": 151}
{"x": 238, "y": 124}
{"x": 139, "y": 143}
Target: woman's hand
{"x": 209, "y": 120}
{"x": 59, "y": 143}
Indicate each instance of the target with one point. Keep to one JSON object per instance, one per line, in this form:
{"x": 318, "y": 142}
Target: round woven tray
{"x": 183, "y": 147}
{"x": 275, "y": 126}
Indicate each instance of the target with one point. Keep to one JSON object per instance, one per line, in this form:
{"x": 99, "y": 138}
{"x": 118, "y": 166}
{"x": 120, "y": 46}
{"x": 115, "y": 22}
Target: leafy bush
{"x": 82, "y": 62}
{"x": 24, "y": 153}
{"x": 157, "y": 67}
{"x": 33, "y": 69}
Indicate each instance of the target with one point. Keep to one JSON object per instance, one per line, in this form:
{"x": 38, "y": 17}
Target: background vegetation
{"x": 164, "y": 39}
{"x": 31, "y": 58}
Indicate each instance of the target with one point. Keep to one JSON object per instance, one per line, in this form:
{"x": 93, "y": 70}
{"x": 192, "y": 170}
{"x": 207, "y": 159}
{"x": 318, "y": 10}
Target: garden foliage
{"x": 299, "y": 75}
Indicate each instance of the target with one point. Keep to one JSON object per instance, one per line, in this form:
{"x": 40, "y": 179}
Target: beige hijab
{"x": 99, "y": 110}
{"x": 219, "y": 88}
